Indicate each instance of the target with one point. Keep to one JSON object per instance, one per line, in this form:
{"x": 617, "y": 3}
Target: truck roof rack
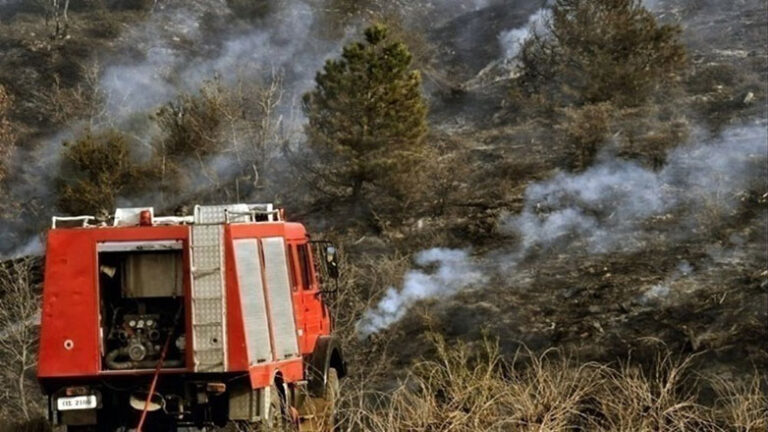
{"x": 203, "y": 215}
{"x": 83, "y": 220}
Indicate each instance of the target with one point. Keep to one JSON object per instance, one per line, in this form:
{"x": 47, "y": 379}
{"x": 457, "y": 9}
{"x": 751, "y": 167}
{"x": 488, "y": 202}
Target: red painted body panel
{"x": 71, "y": 300}
{"x": 262, "y": 376}
{"x": 304, "y": 299}
{"x": 70, "y": 307}
{"x": 70, "y": 296}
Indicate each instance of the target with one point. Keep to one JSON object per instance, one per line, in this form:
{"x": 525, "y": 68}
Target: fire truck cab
{"x": 194, "y": 320}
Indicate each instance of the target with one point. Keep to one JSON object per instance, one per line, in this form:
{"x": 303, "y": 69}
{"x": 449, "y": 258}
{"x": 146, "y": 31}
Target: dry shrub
{"x": 708, "y": 78}
{"x": 361, "y": 284}
{"x": 587, "y": 127}
{"x": 19, "y": 313}
{"x": 659, "y": 400}
{"x": 218, "y": 134}
{"x": 191, "y": 135}
{"x": 742, "y": 405}
{"x": 252, "y": 125}
{"x": 59, "y": 103}
{"x": 191, "y": 124}
{"x": 468, "y": 389}
{"x": 726, "y": 93}
{"x": 644, "y": 133}
{"x": 473, "y": 388}
{"x": 648, "y": 133}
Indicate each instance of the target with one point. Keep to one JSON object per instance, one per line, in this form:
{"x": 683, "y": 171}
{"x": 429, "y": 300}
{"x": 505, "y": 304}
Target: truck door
{"x": 314, "y": 313}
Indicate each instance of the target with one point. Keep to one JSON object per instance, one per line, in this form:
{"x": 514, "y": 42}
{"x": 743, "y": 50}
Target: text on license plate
{"x": 76, "y": 403}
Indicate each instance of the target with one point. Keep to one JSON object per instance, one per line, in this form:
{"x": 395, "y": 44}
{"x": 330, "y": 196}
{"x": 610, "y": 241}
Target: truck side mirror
{"x": 332, "y": 262}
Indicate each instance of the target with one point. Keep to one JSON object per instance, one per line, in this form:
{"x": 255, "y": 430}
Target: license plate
{"x": 76, "y": 403}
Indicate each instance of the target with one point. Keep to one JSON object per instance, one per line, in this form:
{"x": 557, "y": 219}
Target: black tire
{"x": 280, "y": 419}
{"x": 321, "y": 412}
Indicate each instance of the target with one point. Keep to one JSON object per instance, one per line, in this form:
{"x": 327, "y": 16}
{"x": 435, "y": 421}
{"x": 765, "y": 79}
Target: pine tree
{"x": 367, "y": 119}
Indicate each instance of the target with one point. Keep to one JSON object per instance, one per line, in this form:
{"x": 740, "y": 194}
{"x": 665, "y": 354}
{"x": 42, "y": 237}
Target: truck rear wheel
{"x": 319, "y": 413}
{"x": 276, "y": 420}
{"x": 277, "y": 409}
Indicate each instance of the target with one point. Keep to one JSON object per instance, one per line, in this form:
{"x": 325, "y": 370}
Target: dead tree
{"x": 56, "y": 11}
{"x": 19, "y": 316}
{"x": 7, "y": 134}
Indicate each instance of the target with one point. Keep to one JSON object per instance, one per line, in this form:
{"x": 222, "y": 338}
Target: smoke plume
{"x": 175, "y": 50}
{"x": 450, "y": 270}
{"x": 512, "y": 40}
{"x": 182, "y": 47}
{"x": 613, "y": 206}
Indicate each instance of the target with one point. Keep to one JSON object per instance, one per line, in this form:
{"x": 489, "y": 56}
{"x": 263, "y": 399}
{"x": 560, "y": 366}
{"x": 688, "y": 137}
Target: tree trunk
{"x": 22, "y": 387}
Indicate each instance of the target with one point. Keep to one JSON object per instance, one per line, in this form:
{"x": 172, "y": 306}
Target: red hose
{"x": 154, "y": 383}
{"x": 157, "y": 371}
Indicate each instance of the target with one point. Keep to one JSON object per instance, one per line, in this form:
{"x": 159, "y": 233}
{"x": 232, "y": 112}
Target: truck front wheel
{"x": 318, "y": 414}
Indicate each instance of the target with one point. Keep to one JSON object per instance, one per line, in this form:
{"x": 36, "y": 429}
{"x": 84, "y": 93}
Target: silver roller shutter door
{"x": 252, "y": 300}
{"x": 280, "y": 300}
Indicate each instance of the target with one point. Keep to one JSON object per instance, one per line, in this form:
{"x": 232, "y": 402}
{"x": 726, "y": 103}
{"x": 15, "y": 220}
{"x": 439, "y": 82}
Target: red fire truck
{"x": 201, "y": 320}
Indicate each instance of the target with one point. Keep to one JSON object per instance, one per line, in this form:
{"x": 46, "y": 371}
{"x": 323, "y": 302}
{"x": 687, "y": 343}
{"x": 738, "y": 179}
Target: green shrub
{"x": 190, "y": 124}
{"x": 96, "y": 169}
{"x": 601, "y": 51}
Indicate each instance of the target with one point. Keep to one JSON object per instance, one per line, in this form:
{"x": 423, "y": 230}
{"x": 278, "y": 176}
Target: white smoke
{"x": 453, "y": 270}
{"x": 659, "y": 293}
{"x": 178, "y": 54}
{"x": 131, "y": 85}
{"x": 436, "y": 12}
{"x": 176, "y": 49}
{"x": 651, "y": 4}
{"x": 609, "y": 206}
{"x": 32, "y": 247}
{"x": 464, "y": 5}
{"x": 512, "y": 40}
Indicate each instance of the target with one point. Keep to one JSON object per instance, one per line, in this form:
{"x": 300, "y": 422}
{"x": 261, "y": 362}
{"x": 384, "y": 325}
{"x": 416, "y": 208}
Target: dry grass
{"x": 474, "y": 388}
{"x": 743, "y": 406}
